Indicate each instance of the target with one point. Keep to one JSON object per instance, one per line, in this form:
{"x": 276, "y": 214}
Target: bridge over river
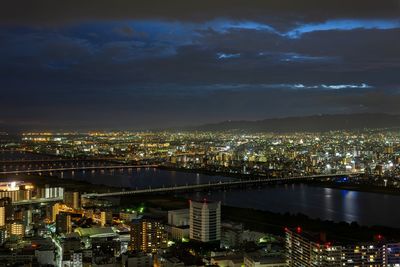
{"x": 77, "y": 168}
{"x": 218, "y": 185}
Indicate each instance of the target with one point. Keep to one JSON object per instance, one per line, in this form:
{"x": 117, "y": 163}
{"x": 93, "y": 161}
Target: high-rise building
{"x": 363, "y": 254}
{"x": 231, "y": 234}
{"x": 18, "y": 214}
{"x": 16, "y": 191}
{"x": 17, "y": 195}
{"x": 63, "y": 223}
{"x": 147, "y": 235}
{"x": 8, "y": 209}
{"x": 3, "y": 235}
{"x": 16, "y": 229}
{"x": 391, "y": 254}
{"x": 76, "y": 259}
{"x": 27, "y": 217}
{"x": 72, "y": 199}
{"x": 308, "y": 249}
{"x": 5, "y": 210}
{"x": 55, "y": 210}
{"x": 106, "y": 218}
{"x": 205, "y": 221}
{"x": 51, "y": 192}
{"x": 2, "y": 216}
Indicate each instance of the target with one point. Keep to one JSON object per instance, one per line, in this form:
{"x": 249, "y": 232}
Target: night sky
{"x": 153, "y": 64}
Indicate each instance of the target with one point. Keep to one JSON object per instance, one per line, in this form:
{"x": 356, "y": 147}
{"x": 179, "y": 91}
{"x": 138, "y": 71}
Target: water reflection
{"x": 350, "y": 206}
{"x": 317, "y": 202}
{"x": 328, "y": 203}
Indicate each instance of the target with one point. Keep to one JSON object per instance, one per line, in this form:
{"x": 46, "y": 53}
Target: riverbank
{"x": 271, "y": 222}
{"x": 326, "y": 184}
{"x": 253, "y": 219}
{"x": 67, "y": 183}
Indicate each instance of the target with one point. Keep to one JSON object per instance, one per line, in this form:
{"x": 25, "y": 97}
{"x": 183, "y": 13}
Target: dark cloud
{"x": 128, "y": 32}
{"x": 125, "y": 31}
{"x": 241, "y": 56}
{"x": 48, "y": 12}
{"x": 165, "y": 63}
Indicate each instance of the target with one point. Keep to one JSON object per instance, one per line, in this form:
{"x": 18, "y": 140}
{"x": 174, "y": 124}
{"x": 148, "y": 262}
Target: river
{"x": 317, "y": 202}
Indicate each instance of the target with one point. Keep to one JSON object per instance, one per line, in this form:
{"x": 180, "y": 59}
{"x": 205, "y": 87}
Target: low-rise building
{"x": 257, "y": 260}
{"x": 136, "y": 259}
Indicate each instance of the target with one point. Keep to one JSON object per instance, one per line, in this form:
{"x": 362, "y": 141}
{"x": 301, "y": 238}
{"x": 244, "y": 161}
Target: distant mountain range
{"x": 317, "y": 123}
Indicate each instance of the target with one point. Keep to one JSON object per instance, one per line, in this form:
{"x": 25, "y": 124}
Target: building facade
{"x": 306, "y": 249}
{"x": 205, "y": 221}
{"x": 147, "y": 235}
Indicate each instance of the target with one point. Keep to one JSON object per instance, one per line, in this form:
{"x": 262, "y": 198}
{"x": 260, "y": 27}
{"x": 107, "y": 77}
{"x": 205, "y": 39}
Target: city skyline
{"x": 163, "y": 65}
{"x": 174, "y": 133}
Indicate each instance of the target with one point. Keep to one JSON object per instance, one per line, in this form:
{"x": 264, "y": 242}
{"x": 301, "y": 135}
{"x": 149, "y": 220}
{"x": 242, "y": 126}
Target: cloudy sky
{"x": 155, "y": 63}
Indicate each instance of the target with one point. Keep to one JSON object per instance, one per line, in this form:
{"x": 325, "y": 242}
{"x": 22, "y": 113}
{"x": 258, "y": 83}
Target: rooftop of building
{"x": 95, "y": 232}
{"x": 134, "y": 254}
{"x": 235, "y": 258}
{"x": 183, "y": 211}
{"x": 148, "y": 217}
{"x": 41, "y": 244}
{"x": 265, "y": 259}
{"x": 322, "y": 238}
{"x": 180, "y": 226}
{"x": 205, "y": 202}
